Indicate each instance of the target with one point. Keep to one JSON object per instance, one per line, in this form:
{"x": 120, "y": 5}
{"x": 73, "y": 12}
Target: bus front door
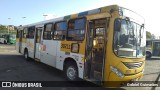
{"x": 37, "y": 43}
{"x": 95, "y": 50}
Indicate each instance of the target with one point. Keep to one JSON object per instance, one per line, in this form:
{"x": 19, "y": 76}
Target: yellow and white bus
{"x": 101, "y": 45}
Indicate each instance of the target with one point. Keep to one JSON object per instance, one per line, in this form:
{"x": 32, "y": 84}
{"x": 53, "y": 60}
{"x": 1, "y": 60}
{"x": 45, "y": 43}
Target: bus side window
{"x": 60, "y": 30}
{"x": 25, "y": 33}
{"x": 76, "y": 29}
{"x": 47, "y": 34}
{"x": 31, "y": 31}
{"x": 17, "y": 35}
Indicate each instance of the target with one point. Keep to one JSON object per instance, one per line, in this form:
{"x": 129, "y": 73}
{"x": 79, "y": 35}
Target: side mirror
{"x": 117, "y": 26}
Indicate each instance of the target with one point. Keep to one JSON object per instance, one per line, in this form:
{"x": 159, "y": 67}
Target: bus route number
{"x": 66, "y": 46}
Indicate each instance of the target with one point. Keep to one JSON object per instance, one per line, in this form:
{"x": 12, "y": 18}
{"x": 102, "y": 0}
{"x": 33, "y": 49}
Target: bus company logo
{"x": 6, "y": 84}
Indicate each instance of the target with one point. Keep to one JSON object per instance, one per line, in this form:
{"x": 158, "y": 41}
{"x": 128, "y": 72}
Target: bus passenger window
{"x": 31, "y": 31}
{"x": 25, "y": 33}
{"x": 17, "y": 35}
{"x": 76, "y": 29}
{"x": 60, "y": 30}
{"x": 47, "y": 31}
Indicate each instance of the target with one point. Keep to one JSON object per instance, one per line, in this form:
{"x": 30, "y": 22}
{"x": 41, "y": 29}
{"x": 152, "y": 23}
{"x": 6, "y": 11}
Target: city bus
{"x": 3, "y": 39}
{"x": 12, "y": 38}
{"x": 105, "y": 46}
{"x": 152, "y": 48}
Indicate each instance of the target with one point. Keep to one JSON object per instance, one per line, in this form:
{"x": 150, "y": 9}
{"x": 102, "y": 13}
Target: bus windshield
{"x": 13, "y": 37}
{"x": 129, "y": 40}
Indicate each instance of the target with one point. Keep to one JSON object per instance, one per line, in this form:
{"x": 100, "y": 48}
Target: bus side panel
{"x": 62, "y": 55}
{"x": 48, "y": 54}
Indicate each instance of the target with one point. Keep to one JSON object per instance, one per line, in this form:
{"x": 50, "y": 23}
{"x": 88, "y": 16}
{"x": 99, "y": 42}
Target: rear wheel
{"x": 5, "y": 42}
{"x": 71, "y": 72}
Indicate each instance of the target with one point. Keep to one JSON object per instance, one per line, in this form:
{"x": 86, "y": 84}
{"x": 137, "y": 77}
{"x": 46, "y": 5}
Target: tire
{"x": 148, "y": 54}
{"x": 26, "y": 55}
{"x": 71, "y": 72}
{"x": 5, "y": 42}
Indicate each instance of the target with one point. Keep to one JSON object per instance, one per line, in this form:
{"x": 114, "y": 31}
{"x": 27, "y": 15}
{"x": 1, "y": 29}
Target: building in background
{"x": 10, "y": 27}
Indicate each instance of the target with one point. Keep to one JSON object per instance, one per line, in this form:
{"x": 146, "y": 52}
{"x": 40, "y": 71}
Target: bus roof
{"x": 81, "y": 14}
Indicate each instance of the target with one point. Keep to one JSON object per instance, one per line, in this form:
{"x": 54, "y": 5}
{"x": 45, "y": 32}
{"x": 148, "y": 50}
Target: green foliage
{"x": 4, "y": 29}
{"x": 148, "y": 35}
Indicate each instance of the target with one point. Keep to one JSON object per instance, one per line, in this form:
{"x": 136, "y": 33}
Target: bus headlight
{"x": 75, "y": 47}
{"x": 117, "y": 71}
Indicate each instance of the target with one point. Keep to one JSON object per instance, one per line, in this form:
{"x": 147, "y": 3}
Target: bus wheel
{"x": 71, "y": 72}
{"x": 5, "y": 42}
{"x": 26, "y": 55}
{"x": 148, "y": 54}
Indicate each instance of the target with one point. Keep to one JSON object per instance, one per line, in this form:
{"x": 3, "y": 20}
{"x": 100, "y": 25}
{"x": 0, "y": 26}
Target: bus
{"x": 152, "y": 48}
{"x": 3, "y": 39}
{"x": 8, "y": 38}
{"x": 12, "y": 38}
{"x": 105, "y": 46}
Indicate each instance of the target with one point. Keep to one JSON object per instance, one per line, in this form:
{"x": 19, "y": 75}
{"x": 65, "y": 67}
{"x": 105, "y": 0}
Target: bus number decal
{"x": 66, "y": 46}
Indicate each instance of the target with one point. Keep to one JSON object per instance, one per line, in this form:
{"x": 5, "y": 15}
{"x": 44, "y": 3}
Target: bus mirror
{"x": 117, "y": 25}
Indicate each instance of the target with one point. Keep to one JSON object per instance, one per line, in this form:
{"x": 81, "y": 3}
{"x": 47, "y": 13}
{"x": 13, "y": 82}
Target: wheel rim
{"x": 26, "y": 55}
{"x": 71, "y": 73}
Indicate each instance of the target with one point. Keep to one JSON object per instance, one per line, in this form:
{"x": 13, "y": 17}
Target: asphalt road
{"x": 13, "y": 67}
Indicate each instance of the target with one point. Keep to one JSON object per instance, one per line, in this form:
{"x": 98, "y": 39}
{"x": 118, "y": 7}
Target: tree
{"x": 4, "y": 30}
{"x": 148, "y": 35}
{"x": 153, "y": 36}
{"x": 2, "y": 27}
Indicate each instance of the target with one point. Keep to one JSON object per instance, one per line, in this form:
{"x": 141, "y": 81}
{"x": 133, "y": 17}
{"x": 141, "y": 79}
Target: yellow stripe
{"x": 74, "y": 16}
{"x": 98, "y": 16}
{"x": 66, "y": 46}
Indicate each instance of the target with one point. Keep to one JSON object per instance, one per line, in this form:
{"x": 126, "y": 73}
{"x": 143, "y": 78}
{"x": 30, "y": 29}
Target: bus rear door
{"x": 37, "y": 47}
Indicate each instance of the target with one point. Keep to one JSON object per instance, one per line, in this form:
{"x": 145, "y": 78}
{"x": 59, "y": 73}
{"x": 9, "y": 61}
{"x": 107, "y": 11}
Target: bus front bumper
{"x": 116, "y": 81}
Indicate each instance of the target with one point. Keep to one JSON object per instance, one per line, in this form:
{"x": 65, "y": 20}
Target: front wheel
{"x": 5, "y": 42}
{"x": 71, "y": 72}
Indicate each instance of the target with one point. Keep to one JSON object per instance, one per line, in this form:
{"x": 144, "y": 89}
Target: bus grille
{"x": 133, "y": 65}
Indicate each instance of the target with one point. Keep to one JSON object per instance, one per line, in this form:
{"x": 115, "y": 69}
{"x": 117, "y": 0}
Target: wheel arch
{"x": 69, "y": 60}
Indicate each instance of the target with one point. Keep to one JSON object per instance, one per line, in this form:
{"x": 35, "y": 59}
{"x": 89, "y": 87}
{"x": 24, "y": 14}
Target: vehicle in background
{"x": 152, "y": 48}
{"x": 3, "y": 39}
{"x": 11, "y": 39}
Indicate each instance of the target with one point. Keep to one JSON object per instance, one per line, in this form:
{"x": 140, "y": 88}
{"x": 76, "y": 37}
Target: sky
{"x": 12, "y": 12}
